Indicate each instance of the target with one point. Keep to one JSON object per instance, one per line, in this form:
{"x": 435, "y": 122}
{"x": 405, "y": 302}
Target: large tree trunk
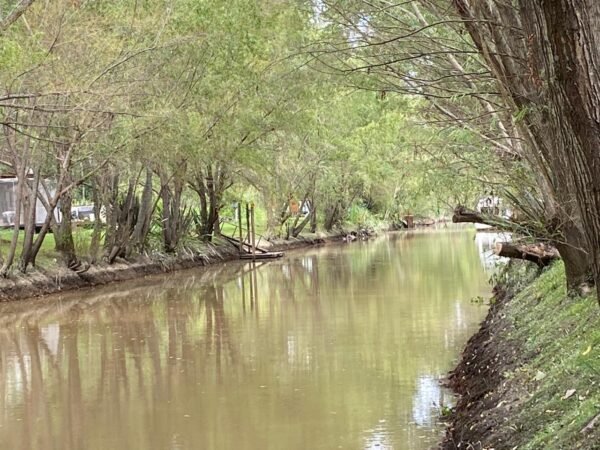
{"x": 573, "y": 31}
{"x": 545, "y": 56}
{"x": 572, "y": 249}
{"x": 204, "y": 222}
{"x": 212, "y": 224}
{"x": 125, "y": 216}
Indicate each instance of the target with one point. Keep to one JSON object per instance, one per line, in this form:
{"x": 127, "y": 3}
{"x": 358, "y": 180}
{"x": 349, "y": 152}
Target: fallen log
{"x": 540, "y": 254}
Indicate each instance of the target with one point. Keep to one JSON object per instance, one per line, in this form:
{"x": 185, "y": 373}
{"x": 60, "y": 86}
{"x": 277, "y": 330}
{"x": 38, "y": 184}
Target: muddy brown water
{"x": 334, "y": 347}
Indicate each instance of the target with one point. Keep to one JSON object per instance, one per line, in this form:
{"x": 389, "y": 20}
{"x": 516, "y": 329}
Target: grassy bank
{"x": 51, "y": 275}
{"x": 49, "y": 258}
{"x": 530, "y": 379}
{"x": 54, "y": 277}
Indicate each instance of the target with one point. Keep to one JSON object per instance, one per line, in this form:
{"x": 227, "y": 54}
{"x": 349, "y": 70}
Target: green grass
{"x": 48, "y": 256}
{"x": 563, "y": 335}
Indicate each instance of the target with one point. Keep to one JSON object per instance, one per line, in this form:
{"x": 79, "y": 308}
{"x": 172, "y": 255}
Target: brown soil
{"x": 40, "y": 282}
{"x": 486, "y": 398}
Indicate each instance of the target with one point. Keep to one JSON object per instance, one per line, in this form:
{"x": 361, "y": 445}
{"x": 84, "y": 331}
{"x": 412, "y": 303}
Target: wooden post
{"x": 248, "y": 222}
{"x": 253, "y": 231}
{"x": 239, "y": 211}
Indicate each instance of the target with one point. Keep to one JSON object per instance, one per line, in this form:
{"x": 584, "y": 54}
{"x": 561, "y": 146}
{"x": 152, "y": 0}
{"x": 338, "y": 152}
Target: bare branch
{"x": 14, "y": 15}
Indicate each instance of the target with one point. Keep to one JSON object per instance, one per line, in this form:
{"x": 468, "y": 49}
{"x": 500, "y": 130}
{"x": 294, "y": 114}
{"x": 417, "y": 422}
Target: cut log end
{"x": 540, "y": 254}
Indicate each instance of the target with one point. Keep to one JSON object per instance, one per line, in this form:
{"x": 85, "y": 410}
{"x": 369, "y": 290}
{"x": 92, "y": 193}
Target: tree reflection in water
{"x": 337, "y": 346}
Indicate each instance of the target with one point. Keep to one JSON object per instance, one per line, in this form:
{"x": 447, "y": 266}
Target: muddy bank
{"x": 40, "y": 281}
{"x": 529, "y": 379}
{"x": 478, "y": 381}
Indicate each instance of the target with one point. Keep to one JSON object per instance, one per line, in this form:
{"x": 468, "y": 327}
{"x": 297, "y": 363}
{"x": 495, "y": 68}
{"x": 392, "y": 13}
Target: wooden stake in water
{"x": 253, "y": 231}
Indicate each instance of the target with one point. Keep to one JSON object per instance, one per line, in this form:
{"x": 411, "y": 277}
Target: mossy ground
{"x": 531, "y": 378}
{"x": 559, "y": 336}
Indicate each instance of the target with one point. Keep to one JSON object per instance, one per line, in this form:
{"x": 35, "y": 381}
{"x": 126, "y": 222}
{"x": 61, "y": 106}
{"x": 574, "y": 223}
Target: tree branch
{"x": 14, "y": 15}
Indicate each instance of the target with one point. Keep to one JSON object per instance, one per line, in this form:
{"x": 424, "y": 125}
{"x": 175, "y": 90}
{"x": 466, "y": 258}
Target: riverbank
{"x": 49, "y": 280}
{"x": 530, "y": 378}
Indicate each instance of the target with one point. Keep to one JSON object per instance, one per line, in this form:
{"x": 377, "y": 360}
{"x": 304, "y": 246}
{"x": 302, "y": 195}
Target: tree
{"x": 543, "y": 56}
{"x": 509, "y": 86}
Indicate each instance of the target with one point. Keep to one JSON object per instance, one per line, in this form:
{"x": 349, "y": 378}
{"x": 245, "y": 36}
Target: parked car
{"x": 83, "y": 213}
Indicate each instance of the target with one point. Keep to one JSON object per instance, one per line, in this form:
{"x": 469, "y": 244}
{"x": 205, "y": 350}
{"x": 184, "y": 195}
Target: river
{"x": 340, "y": 346}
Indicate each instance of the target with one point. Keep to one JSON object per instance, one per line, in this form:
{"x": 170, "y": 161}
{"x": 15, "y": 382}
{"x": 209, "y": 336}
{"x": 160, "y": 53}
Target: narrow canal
{"x": 333, "y": 347}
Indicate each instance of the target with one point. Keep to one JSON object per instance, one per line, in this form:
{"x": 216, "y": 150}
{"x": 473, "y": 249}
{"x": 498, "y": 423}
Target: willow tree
{"x": 545, "y": 58}
{"x": 463, "y": 138}
{"x": 73, "y": 98}
{"x": 522, "y": 79}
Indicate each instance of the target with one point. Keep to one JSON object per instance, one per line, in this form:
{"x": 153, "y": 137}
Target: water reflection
{"x": 486, "y": 243}
{"x": 338, "y": 347}
{"x": 428, "y": 401}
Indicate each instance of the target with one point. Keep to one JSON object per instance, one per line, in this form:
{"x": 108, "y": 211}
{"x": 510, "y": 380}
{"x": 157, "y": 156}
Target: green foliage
{"x": 200, "y": 91}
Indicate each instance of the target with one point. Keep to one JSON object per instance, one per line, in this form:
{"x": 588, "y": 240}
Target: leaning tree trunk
{"x": 545, "y": 56}
{"x": 297, "y": 229}
{"x": 572, "y": 29}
